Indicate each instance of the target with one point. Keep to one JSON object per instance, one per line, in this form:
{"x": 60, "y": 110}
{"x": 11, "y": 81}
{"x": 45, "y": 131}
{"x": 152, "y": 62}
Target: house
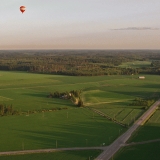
{"x": 141, "y": 77}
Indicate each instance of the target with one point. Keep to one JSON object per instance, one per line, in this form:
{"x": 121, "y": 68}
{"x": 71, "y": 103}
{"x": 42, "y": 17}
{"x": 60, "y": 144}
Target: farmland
{"x": 68, "y": 125}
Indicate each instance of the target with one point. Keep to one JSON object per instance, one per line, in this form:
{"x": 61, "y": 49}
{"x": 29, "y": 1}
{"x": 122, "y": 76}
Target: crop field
{"x": 136, "y": 64}
{"x": 59, "y": 129}
{"x": 68, "y": 125}
{"x": 148, "y": 151}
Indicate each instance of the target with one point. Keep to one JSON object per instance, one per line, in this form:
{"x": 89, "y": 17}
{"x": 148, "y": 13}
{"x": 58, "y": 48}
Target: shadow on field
{"x": 65, "y": 135}
{"x": 134, "y": 94}
{"x": 43, "y": 95}
{"x": 154, "y": 86}
{"x": 57, "y": 103}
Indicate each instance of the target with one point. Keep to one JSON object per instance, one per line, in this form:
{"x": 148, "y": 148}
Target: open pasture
{"x": 60, "y": 129}
{"x": 72, "y": 127}
{"x": 136, "y": 64}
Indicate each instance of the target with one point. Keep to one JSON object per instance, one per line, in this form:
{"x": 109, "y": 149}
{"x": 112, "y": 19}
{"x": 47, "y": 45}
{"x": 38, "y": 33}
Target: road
{"x": 120, "y": 141}
{"x": 49, "y": 150}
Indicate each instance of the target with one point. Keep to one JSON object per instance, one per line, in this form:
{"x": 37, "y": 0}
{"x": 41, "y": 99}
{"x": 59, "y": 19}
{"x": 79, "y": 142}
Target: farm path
{"x": 50, "y": 150}
{"x": 143, "y": 142}
{"x": 107, "y": 102}
{"x": 120, "y": 141}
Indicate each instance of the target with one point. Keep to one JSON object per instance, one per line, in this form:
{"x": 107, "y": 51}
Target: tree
{"x": 80, "y": 103}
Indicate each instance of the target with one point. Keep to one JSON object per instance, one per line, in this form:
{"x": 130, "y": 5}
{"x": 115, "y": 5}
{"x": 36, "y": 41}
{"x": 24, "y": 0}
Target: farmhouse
{"x": 141, "y": 77}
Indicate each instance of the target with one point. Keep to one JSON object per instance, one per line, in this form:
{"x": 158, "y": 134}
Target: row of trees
{"x": 143, "y": 102}
{"x": 7, "y": 110}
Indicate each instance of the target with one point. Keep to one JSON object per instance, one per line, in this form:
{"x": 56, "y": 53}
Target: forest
{"x": 79, "y": 62}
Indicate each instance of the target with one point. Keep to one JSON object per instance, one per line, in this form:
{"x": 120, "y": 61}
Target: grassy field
{"x": 136, "y": 64}
{"x": 65, "y": 155}
{"x": 58, "y": 129}
{"x": 71, "y": 127}
{"x": 139, "y": 152}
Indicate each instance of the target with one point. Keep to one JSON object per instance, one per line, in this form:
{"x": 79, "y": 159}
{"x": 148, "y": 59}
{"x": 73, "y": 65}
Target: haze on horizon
{"x": 80, "y": 24}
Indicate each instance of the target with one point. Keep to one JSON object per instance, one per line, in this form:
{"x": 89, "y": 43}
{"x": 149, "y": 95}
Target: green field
{"x": 68, "y": 126}
{"x": 136, "y": 64}
{"x": 65, "y": 155}
{"x": 139, "y": 152}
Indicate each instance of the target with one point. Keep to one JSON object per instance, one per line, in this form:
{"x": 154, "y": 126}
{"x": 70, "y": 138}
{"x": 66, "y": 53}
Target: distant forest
{"x": 79, "y": 62}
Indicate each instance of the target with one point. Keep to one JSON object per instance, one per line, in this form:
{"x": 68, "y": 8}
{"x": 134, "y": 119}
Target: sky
{"x": 80, "y": 24}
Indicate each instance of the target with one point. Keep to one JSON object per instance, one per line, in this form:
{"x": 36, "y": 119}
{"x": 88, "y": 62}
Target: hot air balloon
{"x": 22, "y": 9}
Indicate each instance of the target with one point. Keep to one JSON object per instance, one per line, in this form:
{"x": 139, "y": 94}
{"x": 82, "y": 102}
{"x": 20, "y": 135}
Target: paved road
{"x": 120, "y": 141}
{"x": 49, "y": 150}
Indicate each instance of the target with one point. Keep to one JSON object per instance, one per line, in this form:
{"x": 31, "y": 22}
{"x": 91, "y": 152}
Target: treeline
{"x": 79, "y": 62}
{"x": 7, "y": 110}
{"x": 74, "y": 96}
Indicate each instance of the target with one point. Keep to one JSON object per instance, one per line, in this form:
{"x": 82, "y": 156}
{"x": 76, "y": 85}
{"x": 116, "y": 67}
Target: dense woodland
{"x": 79, "y": 62}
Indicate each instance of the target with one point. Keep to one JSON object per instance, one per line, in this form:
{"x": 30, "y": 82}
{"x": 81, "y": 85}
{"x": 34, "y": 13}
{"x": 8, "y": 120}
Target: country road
{"x": 49, "y": 150}
{"x": 120, "y": 141}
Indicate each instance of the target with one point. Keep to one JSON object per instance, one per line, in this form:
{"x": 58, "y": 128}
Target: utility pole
{"x": 56, "y": 143}
{"x": 22, "y": 145}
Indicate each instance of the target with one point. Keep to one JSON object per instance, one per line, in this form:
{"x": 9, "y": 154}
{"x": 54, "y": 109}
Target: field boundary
{"x": 106, "y": 116}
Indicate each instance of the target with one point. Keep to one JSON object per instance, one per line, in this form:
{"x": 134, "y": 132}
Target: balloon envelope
{"x": 22, "y": 9}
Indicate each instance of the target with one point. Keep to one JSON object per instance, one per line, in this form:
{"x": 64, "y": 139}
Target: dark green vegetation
{"x": 143, "y": 102}
{"x": 148, "y": 151}
{"x": 65, "y": 155}
{"x": 74, "y": 96}
{"x": 82, "y": 62}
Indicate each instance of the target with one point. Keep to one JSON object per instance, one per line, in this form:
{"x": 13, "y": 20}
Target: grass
{"x": 136, "y": 64}
{"x": 65, "y": 155}
{"x": 139, "y": 152}
{"x": 59, "y": 129}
